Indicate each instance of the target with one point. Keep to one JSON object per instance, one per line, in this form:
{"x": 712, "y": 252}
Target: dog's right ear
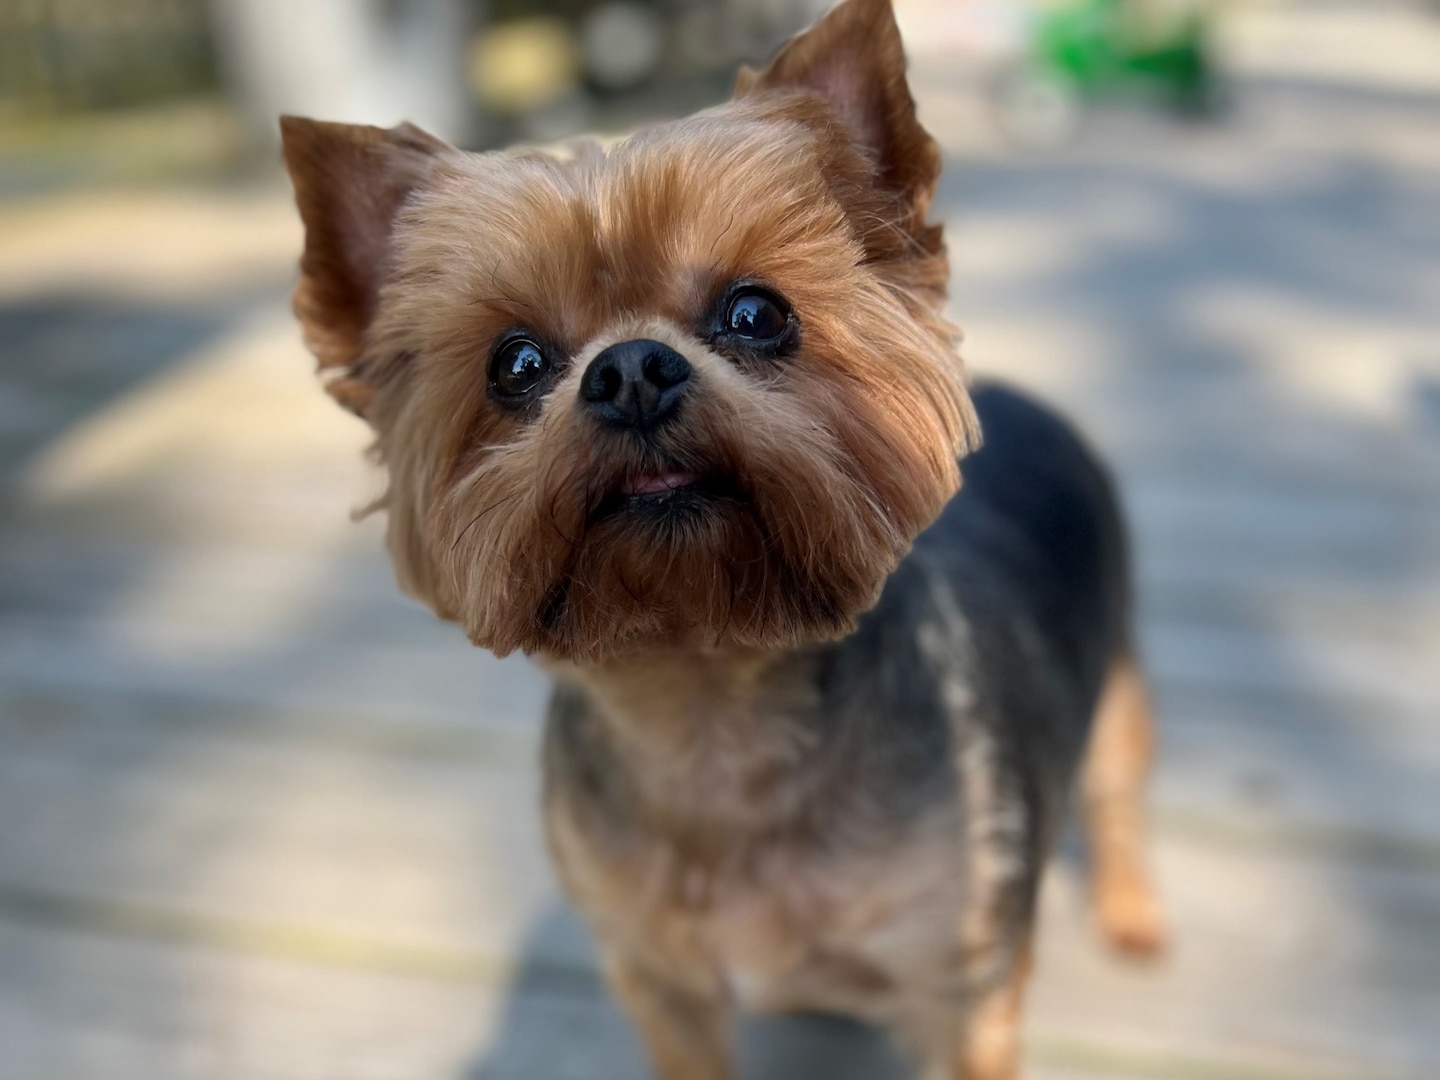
{"x": 854, "y": 60}
{"x": 350, "y": 182}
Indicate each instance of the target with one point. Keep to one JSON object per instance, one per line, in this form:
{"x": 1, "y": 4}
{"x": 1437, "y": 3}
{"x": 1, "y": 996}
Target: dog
{"x": 684, "y": 420}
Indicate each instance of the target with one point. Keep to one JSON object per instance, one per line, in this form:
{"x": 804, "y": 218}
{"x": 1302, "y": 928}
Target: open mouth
{"x": 665, "y": 491}
{"x": 659, "y": 483}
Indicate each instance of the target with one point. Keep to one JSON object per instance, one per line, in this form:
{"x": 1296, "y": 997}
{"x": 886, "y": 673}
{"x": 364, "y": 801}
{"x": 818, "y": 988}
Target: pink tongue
{"x": 655, "y": 483}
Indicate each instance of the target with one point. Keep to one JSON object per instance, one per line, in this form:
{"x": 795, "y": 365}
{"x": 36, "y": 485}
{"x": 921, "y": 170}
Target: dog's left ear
{"x": 853, "y": 58}
{"x": 350, "y": 182}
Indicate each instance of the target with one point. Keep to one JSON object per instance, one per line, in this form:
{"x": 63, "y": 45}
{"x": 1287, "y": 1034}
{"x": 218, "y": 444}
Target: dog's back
{"x": 1035, "y": 546}
{"x": 1000, "y": 626}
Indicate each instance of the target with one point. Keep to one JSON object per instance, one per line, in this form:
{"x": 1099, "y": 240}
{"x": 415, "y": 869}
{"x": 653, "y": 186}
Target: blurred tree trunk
{"x": 361, "y": 61}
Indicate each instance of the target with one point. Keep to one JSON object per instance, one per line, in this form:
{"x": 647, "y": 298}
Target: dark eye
{"x": 756, "y": 316}
{"x": 518, "y": 368}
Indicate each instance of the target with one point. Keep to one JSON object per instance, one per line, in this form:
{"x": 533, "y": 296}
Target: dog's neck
{"x": 717, "y": 737}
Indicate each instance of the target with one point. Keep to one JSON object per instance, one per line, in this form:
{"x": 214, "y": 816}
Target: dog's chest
{"x": 803, "y": 944}
{"x": 757, "y": 859}
{"x": 781, "y": 930}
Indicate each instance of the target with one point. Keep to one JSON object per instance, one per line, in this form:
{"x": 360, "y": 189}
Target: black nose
{"x": 635, "y": 384}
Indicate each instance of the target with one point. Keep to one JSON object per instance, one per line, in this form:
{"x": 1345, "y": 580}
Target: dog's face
{"x": 693, "y": 390}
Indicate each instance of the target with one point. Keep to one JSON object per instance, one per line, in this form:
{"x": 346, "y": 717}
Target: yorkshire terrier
{"x": 684, "y": 420}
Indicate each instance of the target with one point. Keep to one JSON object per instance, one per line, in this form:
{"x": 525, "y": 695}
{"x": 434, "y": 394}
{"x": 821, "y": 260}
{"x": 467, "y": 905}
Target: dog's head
{"x": 693, "y": 389}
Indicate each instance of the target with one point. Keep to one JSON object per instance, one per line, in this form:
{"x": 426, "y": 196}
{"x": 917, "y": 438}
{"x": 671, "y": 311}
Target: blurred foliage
{"x": 133, "y": 89}
{"x": 1099, "y": 45}
{"x": 71, "y": 55}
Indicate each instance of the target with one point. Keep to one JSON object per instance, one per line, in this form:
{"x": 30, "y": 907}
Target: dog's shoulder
{"x": 1034, "y": 543}
{"x": 998, "y": 627}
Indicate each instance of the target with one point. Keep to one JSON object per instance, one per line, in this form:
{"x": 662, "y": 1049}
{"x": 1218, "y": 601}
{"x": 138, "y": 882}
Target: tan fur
{"x": 990, "y": 1045}
{"x": 1113, "y": 786}
{"x": 686, "y": 1034}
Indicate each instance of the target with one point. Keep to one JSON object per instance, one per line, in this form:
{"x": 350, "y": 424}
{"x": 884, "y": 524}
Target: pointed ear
{"x": 350, "y": 181}
{"x": 745, "y": 80}
{"x": 853, "y": 59}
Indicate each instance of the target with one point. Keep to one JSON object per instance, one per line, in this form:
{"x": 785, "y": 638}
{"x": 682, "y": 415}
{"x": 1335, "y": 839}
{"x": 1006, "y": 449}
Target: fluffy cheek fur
{"x": 820, "y": 488}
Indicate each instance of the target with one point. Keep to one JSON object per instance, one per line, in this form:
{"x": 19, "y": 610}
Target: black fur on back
{"x": 1025, "y": 575}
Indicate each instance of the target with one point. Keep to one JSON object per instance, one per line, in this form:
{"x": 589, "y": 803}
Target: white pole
{"x": 359, "y": 61}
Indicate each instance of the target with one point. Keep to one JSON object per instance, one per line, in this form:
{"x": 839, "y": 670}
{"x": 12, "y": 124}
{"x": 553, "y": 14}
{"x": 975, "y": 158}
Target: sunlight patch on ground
{"x": 1318, "y": 41}
{"x": 194, "y": 449}
{"x": 248, "y": 407}
{"x": 1337, "y": 361}
{"x": 162, "y": 245}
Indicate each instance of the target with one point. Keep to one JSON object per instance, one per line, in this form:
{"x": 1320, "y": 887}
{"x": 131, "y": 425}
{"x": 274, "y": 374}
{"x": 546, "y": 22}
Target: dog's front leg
{"x": 686, "y": 1033}
{"x": 979, "y": 1039}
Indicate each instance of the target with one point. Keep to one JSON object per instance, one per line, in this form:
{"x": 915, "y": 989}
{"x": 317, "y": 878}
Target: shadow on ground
{"x": 557, "y": 1022}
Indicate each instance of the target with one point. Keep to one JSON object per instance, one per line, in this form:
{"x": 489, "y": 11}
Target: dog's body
{"x": 859, "y": 826}
{"x": 684, "y": 419}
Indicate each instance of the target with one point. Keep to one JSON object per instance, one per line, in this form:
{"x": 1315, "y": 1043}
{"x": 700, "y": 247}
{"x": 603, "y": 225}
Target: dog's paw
{"x": 1130, "y": 917}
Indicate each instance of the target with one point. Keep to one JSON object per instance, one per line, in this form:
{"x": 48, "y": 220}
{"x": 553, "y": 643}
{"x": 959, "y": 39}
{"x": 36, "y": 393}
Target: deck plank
{"x": 262, "y": 818}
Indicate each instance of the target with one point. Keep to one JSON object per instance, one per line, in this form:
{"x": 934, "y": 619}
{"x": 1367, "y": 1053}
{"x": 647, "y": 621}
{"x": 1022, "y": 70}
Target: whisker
{"x": 728, "y": 227}
{"x": 477, "y": 517}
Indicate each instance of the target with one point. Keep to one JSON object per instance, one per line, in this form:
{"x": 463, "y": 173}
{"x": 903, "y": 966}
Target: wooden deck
{"x": 261, "y": 819}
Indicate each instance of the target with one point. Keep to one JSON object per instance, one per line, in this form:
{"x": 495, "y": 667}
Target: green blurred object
{"x": 1083, "y": 50}
{"x": 1107, "y": 45}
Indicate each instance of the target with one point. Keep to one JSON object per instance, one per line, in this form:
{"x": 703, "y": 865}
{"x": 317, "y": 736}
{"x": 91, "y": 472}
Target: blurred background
{"x": 260, "y": 818}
